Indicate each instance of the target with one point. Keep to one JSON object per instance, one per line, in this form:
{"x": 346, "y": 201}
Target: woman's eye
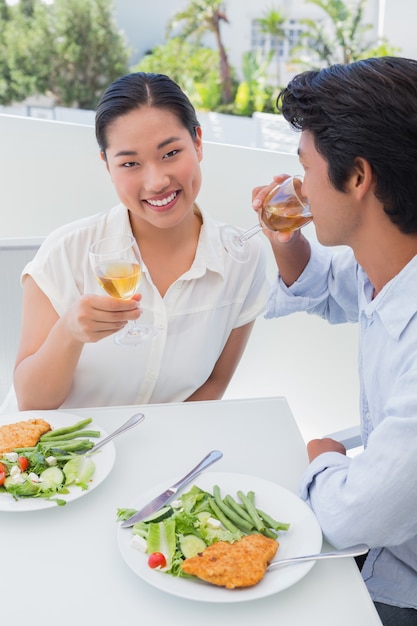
{"x": 171, "y": 154}
{"x": 129, "y": 164}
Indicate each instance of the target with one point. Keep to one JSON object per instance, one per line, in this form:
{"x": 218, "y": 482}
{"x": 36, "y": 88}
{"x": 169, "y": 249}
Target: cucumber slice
{"x": 191, "y": 545}
{"x": 159, "y": 515}
{"x": 52, "y": 479}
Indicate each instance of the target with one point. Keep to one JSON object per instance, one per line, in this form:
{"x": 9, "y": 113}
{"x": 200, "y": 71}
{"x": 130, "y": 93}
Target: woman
{"x": 202, "y": 303}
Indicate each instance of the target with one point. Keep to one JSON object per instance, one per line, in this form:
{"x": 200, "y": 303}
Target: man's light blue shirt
{"x": 371, "y": 498}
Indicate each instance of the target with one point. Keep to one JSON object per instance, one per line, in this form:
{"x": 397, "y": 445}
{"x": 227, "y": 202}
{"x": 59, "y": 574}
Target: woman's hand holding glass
{"x": 116, "y": 264}
{"x": 95, "y": 317}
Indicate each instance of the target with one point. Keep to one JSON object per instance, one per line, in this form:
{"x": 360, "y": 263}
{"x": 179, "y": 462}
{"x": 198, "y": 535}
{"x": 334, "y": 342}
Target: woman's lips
{"x": 164, "y": 202}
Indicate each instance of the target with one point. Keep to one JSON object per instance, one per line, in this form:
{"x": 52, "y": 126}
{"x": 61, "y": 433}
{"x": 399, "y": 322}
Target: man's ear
{"x": 362, "y": 177}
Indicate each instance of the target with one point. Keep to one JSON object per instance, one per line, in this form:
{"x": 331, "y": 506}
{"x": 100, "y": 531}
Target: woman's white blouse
{"x": 193, "y": 320}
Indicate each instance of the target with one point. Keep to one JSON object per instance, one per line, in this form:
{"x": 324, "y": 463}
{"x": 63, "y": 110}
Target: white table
{"x": 62, "y": 565}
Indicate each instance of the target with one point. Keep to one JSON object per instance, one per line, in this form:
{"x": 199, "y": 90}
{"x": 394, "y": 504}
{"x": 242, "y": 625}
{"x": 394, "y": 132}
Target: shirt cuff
{"x": 284, "y": 300}
{"x": 320, "y": 464}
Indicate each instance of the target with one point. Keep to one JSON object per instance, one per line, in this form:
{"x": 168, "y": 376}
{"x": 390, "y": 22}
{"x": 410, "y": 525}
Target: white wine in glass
{"x": 116, "y": 265}
{"x": 285, "y": 209}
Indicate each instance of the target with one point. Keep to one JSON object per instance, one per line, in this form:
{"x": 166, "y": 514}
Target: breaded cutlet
{"x": 23, "y": 434}
{"x": 239, "y": 564}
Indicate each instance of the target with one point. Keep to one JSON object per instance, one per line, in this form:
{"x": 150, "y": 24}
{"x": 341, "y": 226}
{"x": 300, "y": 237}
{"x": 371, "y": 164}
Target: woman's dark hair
{"x": 366, "y": 109}
{"x": 138, "y": 89}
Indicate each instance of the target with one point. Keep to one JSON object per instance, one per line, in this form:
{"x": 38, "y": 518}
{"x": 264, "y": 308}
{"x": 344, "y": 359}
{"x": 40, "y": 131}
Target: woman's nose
{"x": 156, "y": 179}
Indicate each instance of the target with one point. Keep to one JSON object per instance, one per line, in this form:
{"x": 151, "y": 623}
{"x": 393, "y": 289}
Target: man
{"x": 358, "y": 148}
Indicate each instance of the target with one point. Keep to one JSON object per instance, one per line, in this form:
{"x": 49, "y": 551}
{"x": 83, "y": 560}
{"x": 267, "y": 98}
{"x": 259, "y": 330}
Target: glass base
{"x": 135, "y": 335}
{"x": 234, "y": 246}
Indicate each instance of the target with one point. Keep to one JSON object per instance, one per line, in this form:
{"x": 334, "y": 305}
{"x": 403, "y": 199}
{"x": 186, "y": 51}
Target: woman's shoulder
{"x": 87, "y": 229}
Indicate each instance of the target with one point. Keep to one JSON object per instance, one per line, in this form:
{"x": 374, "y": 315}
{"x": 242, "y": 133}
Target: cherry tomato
{"x": 23, "y": 463}
{"x": 2, "y": 477}
{"x": 3, "y": 467}
{"x": 157, "y": 559}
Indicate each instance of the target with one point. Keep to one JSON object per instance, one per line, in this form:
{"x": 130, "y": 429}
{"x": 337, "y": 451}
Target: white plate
{"x": 103, "y": 461}
{"x": 303, "y": 537}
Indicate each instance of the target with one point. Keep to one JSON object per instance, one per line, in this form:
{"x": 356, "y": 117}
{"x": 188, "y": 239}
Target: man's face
{"x": 336, "y": 215}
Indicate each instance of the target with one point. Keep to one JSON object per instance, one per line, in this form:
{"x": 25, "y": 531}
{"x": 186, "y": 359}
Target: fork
{"x": 360, "y": 548}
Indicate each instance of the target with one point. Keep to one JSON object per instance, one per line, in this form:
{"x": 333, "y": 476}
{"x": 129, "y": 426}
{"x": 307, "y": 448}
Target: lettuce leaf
{"x": 79, "y": 471}
{"x": 162, "y": 538}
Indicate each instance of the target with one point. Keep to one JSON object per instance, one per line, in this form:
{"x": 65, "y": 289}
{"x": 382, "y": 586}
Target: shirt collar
{"x": 209, "y": 254}
{"x": 396, "y": 303}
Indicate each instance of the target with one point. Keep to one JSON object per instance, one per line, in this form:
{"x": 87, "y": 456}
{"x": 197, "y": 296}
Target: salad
{"x": 48, "y": 469}
{"x": 196, "y": 520}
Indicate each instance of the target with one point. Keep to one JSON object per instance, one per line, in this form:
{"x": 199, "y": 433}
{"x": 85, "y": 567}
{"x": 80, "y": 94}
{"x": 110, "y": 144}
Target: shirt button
{"x": 161, "y": 325}
{"x": 178, "y": 285}
{"x": 152, "y": 375}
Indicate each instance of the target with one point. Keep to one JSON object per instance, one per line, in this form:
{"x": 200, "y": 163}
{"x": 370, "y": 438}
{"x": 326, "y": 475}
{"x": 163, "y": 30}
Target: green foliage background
{"x": 72, "y": 49}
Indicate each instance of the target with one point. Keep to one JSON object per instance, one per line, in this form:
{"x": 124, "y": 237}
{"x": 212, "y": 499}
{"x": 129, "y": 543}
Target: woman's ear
{"x": 104, "y": 159}
{"x": 198, "y": 142}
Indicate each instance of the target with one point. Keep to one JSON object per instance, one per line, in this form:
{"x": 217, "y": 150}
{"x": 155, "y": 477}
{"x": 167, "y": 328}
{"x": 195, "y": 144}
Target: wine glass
{"x": 116, "y": 265}
{"x": 285, "y": 209}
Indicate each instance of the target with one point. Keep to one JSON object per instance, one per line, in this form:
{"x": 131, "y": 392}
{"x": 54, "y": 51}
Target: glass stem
{"x": 249, "y": 233}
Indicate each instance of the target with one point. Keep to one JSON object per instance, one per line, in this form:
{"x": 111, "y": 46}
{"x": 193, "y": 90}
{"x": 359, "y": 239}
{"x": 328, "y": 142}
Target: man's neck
{"x": 385, "y": 255}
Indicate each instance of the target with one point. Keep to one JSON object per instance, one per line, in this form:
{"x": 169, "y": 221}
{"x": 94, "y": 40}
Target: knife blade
{"x": 169, "y": 493}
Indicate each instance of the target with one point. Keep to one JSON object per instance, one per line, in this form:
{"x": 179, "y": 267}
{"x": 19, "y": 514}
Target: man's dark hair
{"x": 366, "y": 109}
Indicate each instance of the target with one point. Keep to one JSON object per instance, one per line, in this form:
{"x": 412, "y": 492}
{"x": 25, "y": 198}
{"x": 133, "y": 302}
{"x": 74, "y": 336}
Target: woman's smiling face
{"x": 154, "y": 164}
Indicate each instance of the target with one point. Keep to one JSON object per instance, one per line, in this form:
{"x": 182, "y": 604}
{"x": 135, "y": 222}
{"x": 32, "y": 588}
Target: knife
{"x": 167, "y": 495}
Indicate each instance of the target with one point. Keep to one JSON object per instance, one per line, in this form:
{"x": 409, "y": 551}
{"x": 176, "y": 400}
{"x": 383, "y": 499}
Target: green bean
{"x": 66, "y": 429}
{"x": 68, "y": 446}
{"x": 222, "y": 518}
{"x": 269, "y": 533}
{"x": 75, "y": 435}
{"x": 271, "y": 522}
{"x": 230, "y": 513}
{"x": 249, "y": 506}
{"x": 238, "y": 508}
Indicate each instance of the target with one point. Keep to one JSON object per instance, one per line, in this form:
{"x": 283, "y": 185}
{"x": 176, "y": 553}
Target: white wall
{"x": 52, "y": 174}
{"x": 48, "y": 177}
{"x": 400, "y": 19}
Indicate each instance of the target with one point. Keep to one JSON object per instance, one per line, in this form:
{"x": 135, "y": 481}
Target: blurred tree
{"x": 90, "y": 52}
{"x": 25, "y": 52}
{"x": 342, "y": 38}
{"x": 199, "y": 18}
{"x": 70, "y": 50}
{"x": 4, "y": 68}
{"x": 27, "y": 7}
{"x": 272, "y": 24}
{"x": 189, "y": 65}
{"x": 4, "y": 12}
{"x": 254, "y": 93}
